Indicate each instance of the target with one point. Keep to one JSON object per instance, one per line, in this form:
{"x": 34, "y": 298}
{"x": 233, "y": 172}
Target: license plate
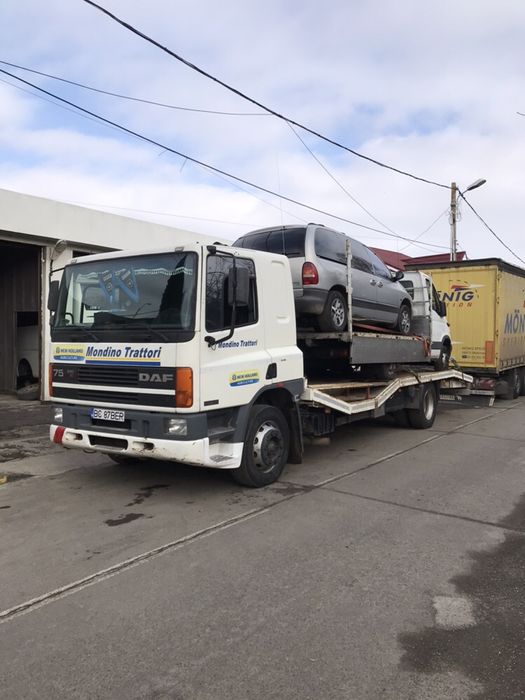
{"x": 108, "y": 414}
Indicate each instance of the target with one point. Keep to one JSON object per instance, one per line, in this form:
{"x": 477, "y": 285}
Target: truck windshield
{"x": 119, "y": 298}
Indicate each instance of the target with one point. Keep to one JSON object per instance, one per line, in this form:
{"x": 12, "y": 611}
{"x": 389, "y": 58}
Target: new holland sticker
{"x": 249, "y": 376}
{"x": 69, "y": 352}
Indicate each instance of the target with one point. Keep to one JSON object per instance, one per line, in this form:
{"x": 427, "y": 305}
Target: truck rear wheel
{"x": 424, "y": 415}
{"x": 265, "y": 447}
{"x": 514, "y": 384}
{"x": 522, "y": 373}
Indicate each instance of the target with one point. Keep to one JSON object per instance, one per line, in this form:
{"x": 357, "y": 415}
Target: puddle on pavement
{"x": 490, "y": 651}
{"x": 124, "y": 519}
{"x": 145, "y": 492}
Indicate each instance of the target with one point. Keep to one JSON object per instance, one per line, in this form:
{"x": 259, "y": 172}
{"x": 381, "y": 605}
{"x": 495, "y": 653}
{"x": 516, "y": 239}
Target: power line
{"x": 237, "y": 92}
{"x": 426, "y": 230}
{"x": 206, "y": 165}
{"x": 489, "y": 228}
{"x": 133, "y": 99}
{"x": 339, "y": 184}
{"x": 354, "y": 199}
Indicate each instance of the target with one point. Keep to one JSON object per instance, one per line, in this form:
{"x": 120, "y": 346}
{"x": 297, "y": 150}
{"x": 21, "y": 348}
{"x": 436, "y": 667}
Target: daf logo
{"x": 156, "y": 377}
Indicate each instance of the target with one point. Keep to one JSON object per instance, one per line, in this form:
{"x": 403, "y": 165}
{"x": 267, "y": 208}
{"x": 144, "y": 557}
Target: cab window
{"x": 218, "y": 310}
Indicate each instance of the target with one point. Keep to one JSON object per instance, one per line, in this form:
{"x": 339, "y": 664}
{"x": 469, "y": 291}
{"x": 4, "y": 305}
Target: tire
{"x": 24, "y": 375}
{"x": 404, "y": 320}
{"x": 265, "y": 448}
{"x": 443, "y": 362}
{"x": 334, "y": 318}
{"x": 522, "y": 372}
{"x": 424, "y": 416}
{"x": 30, "y": 392}
{"x": 514, "y": 384}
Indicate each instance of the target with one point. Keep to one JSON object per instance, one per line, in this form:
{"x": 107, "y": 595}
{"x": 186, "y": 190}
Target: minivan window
{"x": 257, "y": 241}
{"x": 284, "y": 241}
{"x": 380, "y": 268}
{"x": 330, "y": 245}
{"x": 360, "y": 259}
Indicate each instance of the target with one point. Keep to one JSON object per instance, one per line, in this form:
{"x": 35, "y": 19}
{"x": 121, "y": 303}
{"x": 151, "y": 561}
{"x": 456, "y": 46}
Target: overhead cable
{"x": 206, "y": 165}
{"x": 237, "y": 92}
{"x": 339, "y": 184}
{"x": 133, "y": 99}
{"x": 489, "y": 228}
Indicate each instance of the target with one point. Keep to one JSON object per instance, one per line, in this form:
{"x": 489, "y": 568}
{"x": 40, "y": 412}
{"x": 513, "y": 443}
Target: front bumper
{"x": 199, "y": 453}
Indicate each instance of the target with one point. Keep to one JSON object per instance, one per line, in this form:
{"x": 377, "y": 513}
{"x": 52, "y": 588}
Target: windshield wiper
{"x": 92, "y": 335}
{"x": 158, "y": 333}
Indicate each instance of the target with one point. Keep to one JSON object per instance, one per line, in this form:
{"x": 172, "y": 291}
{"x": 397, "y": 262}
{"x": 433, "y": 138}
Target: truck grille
{"x": 111, "y": 376}
{"x": 114, "y": 397}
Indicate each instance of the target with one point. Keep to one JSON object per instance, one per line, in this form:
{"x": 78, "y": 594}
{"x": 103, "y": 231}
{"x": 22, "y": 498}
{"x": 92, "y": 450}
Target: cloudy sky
{"x": 434, "y": 93}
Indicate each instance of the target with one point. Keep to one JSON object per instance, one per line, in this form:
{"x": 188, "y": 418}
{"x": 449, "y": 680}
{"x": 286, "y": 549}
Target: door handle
{"x": 379, "y": 284}
{"x": 373, "y": 282}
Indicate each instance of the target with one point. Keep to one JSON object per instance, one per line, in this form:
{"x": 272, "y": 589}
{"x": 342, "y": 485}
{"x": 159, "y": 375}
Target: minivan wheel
{"x": 404, "y": 320}
{"x": 334, "y": 318}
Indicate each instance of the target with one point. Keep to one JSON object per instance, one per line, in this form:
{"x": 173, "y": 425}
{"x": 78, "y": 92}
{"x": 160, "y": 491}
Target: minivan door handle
{"x": 373, "y": 281}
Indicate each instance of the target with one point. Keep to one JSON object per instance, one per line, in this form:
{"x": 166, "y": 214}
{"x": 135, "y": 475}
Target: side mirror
{"x": 442, "y": 310}
{"x": 398, "y": 275}
{"x": 240, "y": 292}
{"x": 52, "y": 299}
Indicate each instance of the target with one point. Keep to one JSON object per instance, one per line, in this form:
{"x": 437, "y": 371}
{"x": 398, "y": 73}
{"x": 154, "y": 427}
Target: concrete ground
{"x": 388, "y": 565}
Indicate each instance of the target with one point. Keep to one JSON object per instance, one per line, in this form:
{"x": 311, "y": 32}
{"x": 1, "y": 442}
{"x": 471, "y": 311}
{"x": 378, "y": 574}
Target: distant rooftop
{"x": 399, "y": 261}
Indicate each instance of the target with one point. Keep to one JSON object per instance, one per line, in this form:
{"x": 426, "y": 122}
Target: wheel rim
{"x": 337, "y": 311}
{"x": 404, "y": 322}
{"x": 428, "y": 404}
{"x": 268, "y": 446}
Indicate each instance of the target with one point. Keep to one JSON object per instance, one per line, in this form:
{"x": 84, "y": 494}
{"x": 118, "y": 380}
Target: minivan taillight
{"x": 310, "y": 274}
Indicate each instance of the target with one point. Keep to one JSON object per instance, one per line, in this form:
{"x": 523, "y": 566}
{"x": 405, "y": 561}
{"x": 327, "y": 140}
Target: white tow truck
{"x": 191, "y": 354}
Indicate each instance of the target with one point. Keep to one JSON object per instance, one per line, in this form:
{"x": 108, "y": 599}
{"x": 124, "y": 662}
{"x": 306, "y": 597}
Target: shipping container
{"x": 485, "y": 302}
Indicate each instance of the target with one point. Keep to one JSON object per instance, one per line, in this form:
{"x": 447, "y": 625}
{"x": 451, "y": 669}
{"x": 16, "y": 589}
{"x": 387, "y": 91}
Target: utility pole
{"x": 454, "y": 213}
{"x": 453, "y": 219}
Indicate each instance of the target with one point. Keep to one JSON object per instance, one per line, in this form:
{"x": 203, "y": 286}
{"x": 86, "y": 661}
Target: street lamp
{"x": 453, "y": 213}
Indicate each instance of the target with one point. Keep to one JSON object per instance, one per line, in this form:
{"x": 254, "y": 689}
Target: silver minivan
{"x": 318, "y": 258}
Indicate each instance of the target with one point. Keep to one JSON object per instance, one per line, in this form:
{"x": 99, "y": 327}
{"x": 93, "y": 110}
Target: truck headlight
{"x": 58, "y": 416}
{"x": 177, "y": 426}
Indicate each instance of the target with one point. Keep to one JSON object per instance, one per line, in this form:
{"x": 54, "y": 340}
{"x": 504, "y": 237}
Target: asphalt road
{"x": 389, "y": 565}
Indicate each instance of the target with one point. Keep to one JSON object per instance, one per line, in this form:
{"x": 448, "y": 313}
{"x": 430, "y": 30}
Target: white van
{"x": 427, "y": 304}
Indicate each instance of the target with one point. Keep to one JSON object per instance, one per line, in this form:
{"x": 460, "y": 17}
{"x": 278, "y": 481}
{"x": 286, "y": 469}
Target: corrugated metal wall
{"x": 19, "y": 291}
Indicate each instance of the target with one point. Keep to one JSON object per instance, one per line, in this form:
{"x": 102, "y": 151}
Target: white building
{"x": 36, "y": 233}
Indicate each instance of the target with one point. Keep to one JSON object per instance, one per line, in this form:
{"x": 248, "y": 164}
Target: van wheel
{"x": 334, "y": 318}
{"x": 404, "y": 320}
{"x": 424, "y": 415}
{"x": 444, "y": 357}
{"x": 265, "y": 448}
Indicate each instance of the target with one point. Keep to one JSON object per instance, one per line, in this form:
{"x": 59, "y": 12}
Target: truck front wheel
{"x": 265, "y": 447}
{"x": 424, "y": 415}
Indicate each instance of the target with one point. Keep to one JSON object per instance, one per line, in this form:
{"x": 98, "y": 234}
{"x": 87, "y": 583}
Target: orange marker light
{"x": 50, "y": 378}
{"x": 184, "y": 387}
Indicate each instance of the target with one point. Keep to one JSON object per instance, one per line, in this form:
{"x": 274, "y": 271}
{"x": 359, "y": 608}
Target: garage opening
{"x": 19, "y": 315}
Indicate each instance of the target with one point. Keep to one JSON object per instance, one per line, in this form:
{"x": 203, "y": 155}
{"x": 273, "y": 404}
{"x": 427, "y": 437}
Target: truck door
{"x": 233, "y": 369}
